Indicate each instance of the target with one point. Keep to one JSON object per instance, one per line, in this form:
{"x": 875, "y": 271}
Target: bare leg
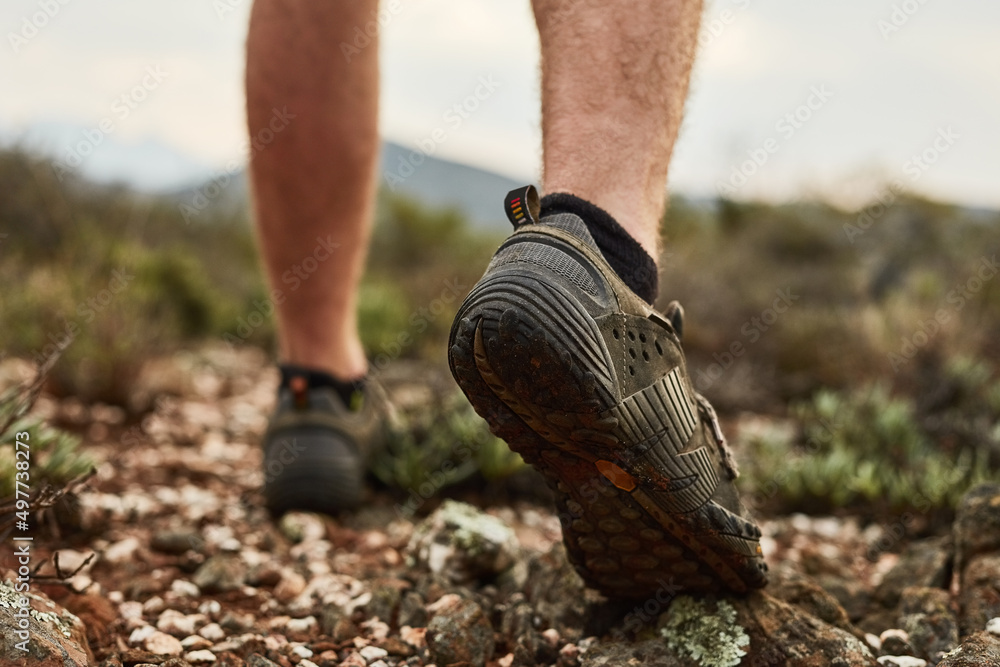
{"x": 315, "y": 180}
{"x": 614, "y": 79}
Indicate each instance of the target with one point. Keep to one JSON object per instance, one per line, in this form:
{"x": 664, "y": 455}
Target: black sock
{"x": 632, "y": 264}
{"x": 314, "y": 378}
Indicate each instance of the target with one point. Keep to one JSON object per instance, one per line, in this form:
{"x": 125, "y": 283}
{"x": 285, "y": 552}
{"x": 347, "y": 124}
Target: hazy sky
{"x": 833, "y": 99}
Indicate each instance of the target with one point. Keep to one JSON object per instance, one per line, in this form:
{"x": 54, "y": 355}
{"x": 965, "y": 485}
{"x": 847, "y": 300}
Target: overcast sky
{"x": 887, "y": 81}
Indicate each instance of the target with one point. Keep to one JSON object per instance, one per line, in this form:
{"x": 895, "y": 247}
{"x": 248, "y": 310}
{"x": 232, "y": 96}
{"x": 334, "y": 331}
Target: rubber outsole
{"x": 530, "y": 360}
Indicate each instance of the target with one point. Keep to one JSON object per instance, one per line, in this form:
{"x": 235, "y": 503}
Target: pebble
{"x": 302, "y": 651}
{"x": 184, "y": 589}
{"x": 301, "y": 625}
{"x": 290, "y": 586}
{"x": 354, "y": 659}
{"x": 130, "y": 609}
{"x": 153, "y": 605}
{"x": 210, "y": 608}
{"x": 373, "y": 653}
{"x": 200, "y": 656}
{"x": 213, "y": 632}
{"x": 177, "y": 624}
{"x": 121, "y": 551}
{"x": 901, "y": 661}
{"x": 141, "y": 634}
{"x": 194, "y": 643}
{"x": 993, "y": 626}
{"x": 162, "y": 643}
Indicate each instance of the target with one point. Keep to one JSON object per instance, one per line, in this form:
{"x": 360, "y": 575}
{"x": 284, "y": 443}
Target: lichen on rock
{"x": 712, "y": 637}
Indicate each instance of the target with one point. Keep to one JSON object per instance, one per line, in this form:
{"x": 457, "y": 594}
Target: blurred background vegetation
{"x": 880, "y": 374}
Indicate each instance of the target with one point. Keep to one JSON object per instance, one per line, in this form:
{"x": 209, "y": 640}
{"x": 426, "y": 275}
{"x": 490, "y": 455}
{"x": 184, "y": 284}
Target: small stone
{"x": 459, "y": 632}
{"x": 153, "y": 605}
{"x": 163, "y": 644}
{"x": 301, "y": 651}
{"x": 415, "y": 637}
{"x": 993, "y": 626}
{"x": 130, "y": 609}
{"x": 221, "y": 573}
{"x": 552, "y": 637}
{"x": 901, "y": 661}
{"x": 378, "y": 663}
{"x": 302, "y": 527}
{"x": 177, "y": 542}
{"x": 373, "y": 653}
{"x": 177, "y": 624}
{"x": 290, "y": 586}
{"x": 980, "y": 650}
{"x": 184, "y": 589}
{"x": 213, "y": 632}
{"x": 895, "y": 642}
{"x": 194, "y": 643}
{"x": 121, "y": 551}
{"x": 257, "y": 660}
{"x": 301, "y": 626}
{"x": 210, "y": 608}
{"x": 141, "y": 634}
{"x": 463, "y": 543}
{"x": 354, "y": 659}
{"x": 200, "y": 656}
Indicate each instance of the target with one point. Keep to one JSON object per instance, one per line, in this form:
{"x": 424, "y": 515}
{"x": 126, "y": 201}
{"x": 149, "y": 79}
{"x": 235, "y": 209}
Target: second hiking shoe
{"x": 589, "y": 384}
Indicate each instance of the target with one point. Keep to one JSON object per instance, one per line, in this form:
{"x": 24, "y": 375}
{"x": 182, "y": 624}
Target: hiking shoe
{"x": 588, "y": 383}
{"x": 318, "y": 443}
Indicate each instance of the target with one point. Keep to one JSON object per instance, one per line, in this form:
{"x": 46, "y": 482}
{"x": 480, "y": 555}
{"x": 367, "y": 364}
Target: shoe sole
{"x": 541, "y": 396}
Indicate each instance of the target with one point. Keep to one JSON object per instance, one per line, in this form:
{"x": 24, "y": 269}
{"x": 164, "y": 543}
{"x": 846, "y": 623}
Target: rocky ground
{"x": 180, "y": 565}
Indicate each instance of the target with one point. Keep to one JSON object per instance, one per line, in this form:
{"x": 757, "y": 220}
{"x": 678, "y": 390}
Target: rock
{"x": 302, "y": 527}
{"x": 852, "y": 594}
{"x": 257, "y": 660}
{"x": 386, "y": 596}
{"x": 648, "y": 653}
{"x": 926, "y": 616}
{"x": 979, "y": 595}
{"x": 993, "y": 626}
{"x": 370, "y": 653}
{"x": 184, "y": 589}
{"x": 462, "y": 543}
{"x": 412, "y": 611}
{"x": 200, "y": 657}
{"x": 177, "y": 624}
{"x": 924, "y": 563}
{"x": 781, "y": 634}
{"x": 177, "y": 542}
{"x": 804, "y": 593}
{"x": 221, "y": 573}
{"x": 706, "y": 633}
{"x": 121, "y": 551}
{"x": 977, "y": 524}
{"x": 459, "y": 632}
{"x": 195, "y": 643}
{"x": 289, "y": 586}
{"x": 163, "y": 644}
{"x": 354, "y": 659}
{"x": 894, "y": 642}
{"x": 980, "y": 650}
{"x": 52, "y": 636}
{"x": 518, "y": 628}
{"x": 213, "y": 632}
{"x": 901, "y": 661}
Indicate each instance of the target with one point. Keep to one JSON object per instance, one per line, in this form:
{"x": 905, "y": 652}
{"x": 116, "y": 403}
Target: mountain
{"x": 478, "y": 193}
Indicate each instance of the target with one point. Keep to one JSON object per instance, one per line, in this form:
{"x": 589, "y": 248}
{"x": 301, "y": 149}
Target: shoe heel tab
{"x": 523, "y": 206}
